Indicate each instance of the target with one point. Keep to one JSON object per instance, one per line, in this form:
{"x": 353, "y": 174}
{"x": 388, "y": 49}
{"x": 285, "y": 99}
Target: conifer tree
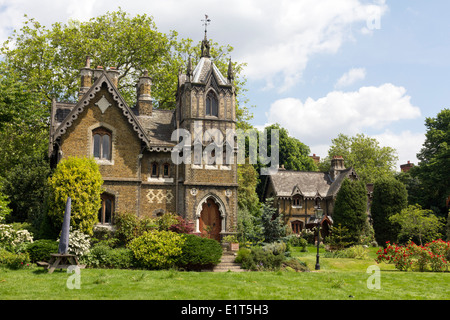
{"x": 350, "y": 210}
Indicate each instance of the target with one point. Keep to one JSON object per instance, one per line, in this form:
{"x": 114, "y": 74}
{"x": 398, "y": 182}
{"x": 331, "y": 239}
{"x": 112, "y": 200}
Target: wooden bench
{"x": 60, "y": 261}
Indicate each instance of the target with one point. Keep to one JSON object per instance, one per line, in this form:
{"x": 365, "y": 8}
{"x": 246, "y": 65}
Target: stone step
{"x": 227, "y": 263}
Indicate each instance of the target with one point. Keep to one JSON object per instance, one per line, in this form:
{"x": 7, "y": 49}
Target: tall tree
{"x": 350, "y": 209}
{"x": 365, "y": 155}
{"x": 247, "y": 182}
{"x": 50, "y": 58}
{"x": 389, "y": 198}
{"x": 433, "y": 169}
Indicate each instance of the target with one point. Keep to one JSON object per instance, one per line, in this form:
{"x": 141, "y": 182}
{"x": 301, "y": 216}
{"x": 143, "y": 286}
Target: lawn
{"x": 338, "y": 279}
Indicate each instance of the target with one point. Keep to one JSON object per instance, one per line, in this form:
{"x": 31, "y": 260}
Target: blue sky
{"x": 319, "y": 68}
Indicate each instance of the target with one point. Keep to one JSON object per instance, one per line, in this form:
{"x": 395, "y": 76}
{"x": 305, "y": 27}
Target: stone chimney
{"x": 86, "y": 78}
{"x": 337, "y": 165}
{"x": 113, "y": 74}
{"x": 144, "y": 103}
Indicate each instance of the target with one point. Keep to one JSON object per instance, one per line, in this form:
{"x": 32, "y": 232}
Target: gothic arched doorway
{"x": 210, "y": 223}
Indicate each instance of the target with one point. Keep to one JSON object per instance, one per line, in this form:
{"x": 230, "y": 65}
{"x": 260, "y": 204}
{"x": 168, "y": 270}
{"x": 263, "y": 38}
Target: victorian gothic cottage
{"x": 134, "y": 146}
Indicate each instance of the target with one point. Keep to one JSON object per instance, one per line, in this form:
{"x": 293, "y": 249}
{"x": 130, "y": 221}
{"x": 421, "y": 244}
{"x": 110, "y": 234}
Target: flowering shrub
{"x": 430, "y": 256}
{"x": 79, "y": 243}
{"x": 14, "y": 240}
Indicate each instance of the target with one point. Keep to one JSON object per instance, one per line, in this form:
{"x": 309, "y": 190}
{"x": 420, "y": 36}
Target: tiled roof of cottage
{"x": 286, "y": 183}
{"x": 159, "y": 127}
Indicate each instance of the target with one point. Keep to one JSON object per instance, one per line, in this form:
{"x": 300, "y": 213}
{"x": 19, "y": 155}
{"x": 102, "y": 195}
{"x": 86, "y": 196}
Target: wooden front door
{"x": 210, "y": 221}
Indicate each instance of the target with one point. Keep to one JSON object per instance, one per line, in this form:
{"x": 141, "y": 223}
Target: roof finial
{"x": 205, "y": 42}
{"x": 206, "y": 23}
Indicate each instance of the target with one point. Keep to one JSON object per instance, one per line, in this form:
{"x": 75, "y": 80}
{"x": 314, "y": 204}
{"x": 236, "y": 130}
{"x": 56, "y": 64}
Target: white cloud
{"x": 350, "y": 77}
{"x": 275, "y": 38}
{"x": 407, "y": 144}
{"x": 315, "y": 122}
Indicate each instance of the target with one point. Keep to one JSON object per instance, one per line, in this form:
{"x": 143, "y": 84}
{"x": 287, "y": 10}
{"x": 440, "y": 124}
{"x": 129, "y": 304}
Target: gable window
{"x": 105, "y": 213}
{"x": 297, "y": 201}
{"x": 212, "y": 105}
{"x": 102, "y": 143}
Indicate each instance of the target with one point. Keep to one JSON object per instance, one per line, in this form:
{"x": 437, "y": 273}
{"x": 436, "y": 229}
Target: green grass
{"x": 338, "y": 279}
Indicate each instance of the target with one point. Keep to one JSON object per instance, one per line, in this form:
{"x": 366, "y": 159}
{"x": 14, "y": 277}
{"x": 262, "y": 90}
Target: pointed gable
{"x": 103, "y": 104}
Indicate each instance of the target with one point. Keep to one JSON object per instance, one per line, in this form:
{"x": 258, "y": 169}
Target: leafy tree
{"x": 364, "y": 154}
{"x": 350, "y": 209}
{"x": 25, "y": 184}
{"x": 5, "y": 210}
{"x": 247, "y": 183}
{"x": 80, "y": 179}
{"x": 433, "y": 169}
{"x": 293, "y": 154}
{"x": 23, "y": 127}
{"x": 50, "y": 58}
{"x": 389, "y": 198}
{"x": 417, "y": 224}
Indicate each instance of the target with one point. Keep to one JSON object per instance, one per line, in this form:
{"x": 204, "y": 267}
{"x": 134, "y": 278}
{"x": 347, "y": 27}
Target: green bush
{"x": 14, "y": 260}
{"x": 295, "y": 240}
{"x": 102, "y": 255}
{"x": 157, "y": 249}
{"x": 199, "y": 253}
{"x": 129, "y": 226}
{"x": 80, "y": 179}
{"x": 258, "y": 258}
{"x": 40, "y": 250}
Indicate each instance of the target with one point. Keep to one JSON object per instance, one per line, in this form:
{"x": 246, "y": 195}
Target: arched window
{"x": 166, "y": 170}
{"x": 212, "y": 105}
{"x": 154, "y": 169}
{"x": 102, "y": 139}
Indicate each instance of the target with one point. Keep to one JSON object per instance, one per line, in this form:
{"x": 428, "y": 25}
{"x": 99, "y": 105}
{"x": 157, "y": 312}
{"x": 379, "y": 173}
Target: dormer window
{"x": 297, "y": 201}
{"x": 102, "y": 144}
{"x": 212, "y": 105}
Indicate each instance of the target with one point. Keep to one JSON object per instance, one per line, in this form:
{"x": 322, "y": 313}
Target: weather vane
{"x": 206, "y": 23}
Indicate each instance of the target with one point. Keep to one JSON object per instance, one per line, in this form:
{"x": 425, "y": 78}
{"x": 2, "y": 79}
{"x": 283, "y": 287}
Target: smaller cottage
{"x": 299, "y": 194}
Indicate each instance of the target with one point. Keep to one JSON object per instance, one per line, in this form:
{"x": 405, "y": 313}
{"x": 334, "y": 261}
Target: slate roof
{"x": 159, "y": 127}
{"x": 201, "y": 72}
{"x": 286, "y": 183}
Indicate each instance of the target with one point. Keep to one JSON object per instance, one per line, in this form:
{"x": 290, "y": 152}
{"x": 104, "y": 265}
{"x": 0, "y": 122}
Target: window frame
{"x": 101, "y": 132}
{"x": 102, "y": 214}
{"x": 154, "y": 165}
{"x": 166, "y": 165}
{"x": 211, "y": 104}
